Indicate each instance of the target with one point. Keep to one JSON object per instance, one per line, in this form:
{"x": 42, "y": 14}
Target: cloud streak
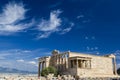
{"x": 47, "y": 27}
{"x": 52, "y": 23}
{"x": 12, "y": 12}
{"x": 20, "y": 60}
{"x": 10, "y": 17}
{"x": 25, "y": 59}
{"x": 13, "y": 20}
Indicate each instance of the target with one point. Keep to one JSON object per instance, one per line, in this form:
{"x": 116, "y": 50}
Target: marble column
{"x": 45, "y": 64}
{"x": 83, "y": 62}
{"x": 76, "y": 63}
{"x": 39, "y": 64}
{"x": 114, "y": 63}
{"x": 60, "y": 59}
{"x": 57, "y": 61}
{"x": 73, "y": 64}
{"x": 69, "y": 63}
{"x": 66, "y": 62}
{"x": 42, "y": 65}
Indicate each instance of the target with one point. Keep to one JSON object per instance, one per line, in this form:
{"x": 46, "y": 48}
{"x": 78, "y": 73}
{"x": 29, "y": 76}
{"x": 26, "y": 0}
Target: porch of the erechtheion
{"x": 80, "y": 62}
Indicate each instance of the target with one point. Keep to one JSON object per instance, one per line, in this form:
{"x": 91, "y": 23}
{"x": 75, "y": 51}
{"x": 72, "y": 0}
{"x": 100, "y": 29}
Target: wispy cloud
{"x": 91, "y": 48}
{"x": 32, "y": 62}
{"x": 25, "y": 59}
{"x": 90, "y": 38}
{"x": 12, "y": 12}
{"x": 13, "y": 19}
{"x": 20, "y": 60}
{"x": 3, "y": 56}
{"x": 52, "y": 23}
{"x": 64, "y": 31}
{"x": 10, "y": 17}
{"x": 47, "y": 27}
{"x": 44, "y": 35}
{"x": 36, "y": 58}
{"x": 80, "y": 16}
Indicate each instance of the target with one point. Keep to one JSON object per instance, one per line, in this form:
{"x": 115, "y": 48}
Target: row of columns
{"x": 80, "y": 63}
{"x": 84, "y": 63}
{"x": 61, "y": 61}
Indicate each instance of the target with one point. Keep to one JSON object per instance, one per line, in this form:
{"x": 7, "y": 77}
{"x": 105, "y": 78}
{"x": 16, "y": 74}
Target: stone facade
{"x": 79, "y": 64}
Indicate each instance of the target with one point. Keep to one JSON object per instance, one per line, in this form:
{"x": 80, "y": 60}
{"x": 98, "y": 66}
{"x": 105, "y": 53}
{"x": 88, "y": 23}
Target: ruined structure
{"x": 79, "y": 64}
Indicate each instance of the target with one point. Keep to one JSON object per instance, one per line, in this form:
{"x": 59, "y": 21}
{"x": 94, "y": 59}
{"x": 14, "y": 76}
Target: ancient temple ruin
{"x": 79, "y": 64}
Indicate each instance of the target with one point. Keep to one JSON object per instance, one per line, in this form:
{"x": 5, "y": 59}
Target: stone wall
{"x": 93, "y": 65}
{"x": 99, "y": 65}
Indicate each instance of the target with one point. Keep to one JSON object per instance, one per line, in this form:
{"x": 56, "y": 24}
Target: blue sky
{"x": 33, "y": 28}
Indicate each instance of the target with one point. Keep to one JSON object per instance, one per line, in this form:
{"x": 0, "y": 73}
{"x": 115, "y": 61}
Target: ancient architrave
{"x": 79, "y": 64}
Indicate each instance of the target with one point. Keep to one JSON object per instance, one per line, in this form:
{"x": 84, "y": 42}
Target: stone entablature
{"x": 72, "y": 63}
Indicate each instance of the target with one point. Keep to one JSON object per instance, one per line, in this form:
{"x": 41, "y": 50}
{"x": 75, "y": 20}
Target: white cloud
{"x": 10, "y": 18}
{"x": 25, "y": 59}
{"x": 13, "y": 19}
{"x": 32, "y": 62}
{"x": 97, "y": 53}
{"x": 52, "y": 24}
{"x": 27, "y": 51}
{"x": 20, "y": 66}
{"x": 3, "y": 55}
{"x": 61, "y": 31}
{"x": 67, "y": 29}
{"x": 12, "y": 12}
{"x": 90, "y": 38}
{"x": 47, "y": 27}
{"x": 80, "y": 16}
{"x": 44, "y": 35}
{"x": 91, "y": 48}
{"x": 20, "y": 60}
{"x": 36, "y": 58}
